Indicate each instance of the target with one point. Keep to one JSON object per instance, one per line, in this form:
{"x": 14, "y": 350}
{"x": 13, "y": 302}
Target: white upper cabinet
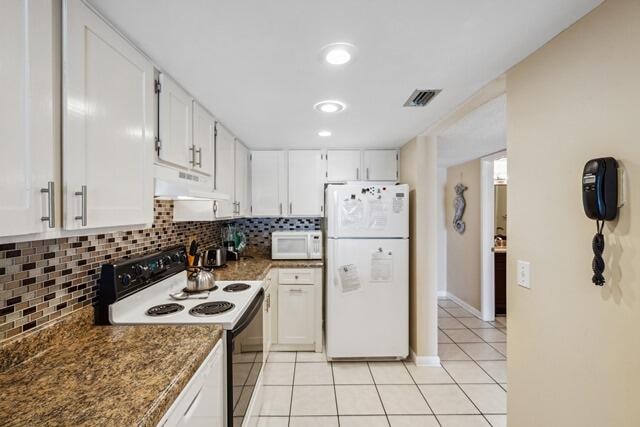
{"x": 305, "y": 183}
{"x": 343, "y": 165}
{"x": 380, "y": 165}
{"x": 204, "y": 140}
{"x": 175, "y": 117}
{"x": 242, "y": 199}
{"x": 107, "y": 125}
{"x": 225, "y": 171}
{"x": 28, "y": 140}
{"x": 268, "y": 183}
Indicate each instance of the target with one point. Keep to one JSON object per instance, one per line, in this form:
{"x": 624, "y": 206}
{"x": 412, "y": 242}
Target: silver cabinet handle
{"x": 296, "y": 290}
{"x": 238, "y": 208}
{"x": 51, "y": 203}
{"x": 367, "y": 173}
{"x": 280, "y": 208}
{"x": 192, "y": 149}
{"x": 83, "y": 193}
{"x": 357, "y": 174}
{"x": 215, "y": 208}
{"x": 290, "y": 208}
{"x": 199, "y": 151}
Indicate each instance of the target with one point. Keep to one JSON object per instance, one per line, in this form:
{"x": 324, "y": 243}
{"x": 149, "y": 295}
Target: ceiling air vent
{"x": 420, "y": 98}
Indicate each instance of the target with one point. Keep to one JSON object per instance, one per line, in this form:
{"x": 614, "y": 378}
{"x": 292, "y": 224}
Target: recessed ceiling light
{"x": 337, "y": 56}
{"x": 329, "y": 106}
{"x": 324, "y": 133}
{"x": 338, "y": 53}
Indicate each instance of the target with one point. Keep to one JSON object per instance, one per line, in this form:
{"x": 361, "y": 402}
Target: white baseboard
{"x": 442, "y": 294}
{"x": 464, "y": 305}
{"x": 425, "y": 360}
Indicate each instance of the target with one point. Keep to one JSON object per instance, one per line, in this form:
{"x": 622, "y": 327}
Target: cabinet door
{"x": 296, "y": 314}
{"x": 27, "y": 138}
{"x": 108, "y": 125}
{"x": 242, "y": 199}
{"x": 266, "y": 322}
{"x": 381, "y": 165}
{"x": 175, "y": 118}
{"x": 343, "y": 165}
{"x": 225, "y": 170}
{"x": 204, "y": 139}
{"x": 268, "y": 183}
{"x": 305, "y": 183}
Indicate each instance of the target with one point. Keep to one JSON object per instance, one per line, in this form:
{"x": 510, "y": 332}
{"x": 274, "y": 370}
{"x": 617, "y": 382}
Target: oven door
{"x": 244, "y": 360}
{"x": 290, "y": 246}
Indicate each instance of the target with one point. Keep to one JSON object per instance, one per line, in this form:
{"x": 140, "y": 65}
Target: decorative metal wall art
{"x": 459, "y": 204}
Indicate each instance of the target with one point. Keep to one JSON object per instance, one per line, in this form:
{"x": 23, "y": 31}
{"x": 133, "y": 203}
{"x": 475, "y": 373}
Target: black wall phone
{"x": 600, "y": 202}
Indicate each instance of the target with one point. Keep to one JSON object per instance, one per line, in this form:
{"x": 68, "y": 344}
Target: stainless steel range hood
{"x": 175, "y": 184}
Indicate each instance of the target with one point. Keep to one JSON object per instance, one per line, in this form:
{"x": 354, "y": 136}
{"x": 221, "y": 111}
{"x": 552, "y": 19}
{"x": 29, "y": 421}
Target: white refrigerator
{"x": 367, "y": 271}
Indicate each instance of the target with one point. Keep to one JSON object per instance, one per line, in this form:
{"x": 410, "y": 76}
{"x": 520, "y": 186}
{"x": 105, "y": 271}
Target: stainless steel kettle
{"x": 200, "y": 279}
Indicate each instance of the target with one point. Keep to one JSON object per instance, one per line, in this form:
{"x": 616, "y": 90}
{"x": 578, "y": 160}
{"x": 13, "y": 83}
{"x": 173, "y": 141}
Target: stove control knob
{"x": 142, "y": 270}
{"x": 126, "y": 279}
{"x": 166, "y": 261}
{"x": 183, "y": 258}
{"x": 175, "y": 257}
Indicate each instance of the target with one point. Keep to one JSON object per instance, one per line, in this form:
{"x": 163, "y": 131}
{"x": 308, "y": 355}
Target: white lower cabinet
{"x": 295, "y": 314}
{"x": 201, "y": 402}
{"x": 296, "y": 322}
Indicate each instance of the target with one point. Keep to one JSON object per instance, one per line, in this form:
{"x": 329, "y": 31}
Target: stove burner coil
{"x": 236, "y": 287}
{"x": 211, "y": 308}
{"x": 164, "y": 309}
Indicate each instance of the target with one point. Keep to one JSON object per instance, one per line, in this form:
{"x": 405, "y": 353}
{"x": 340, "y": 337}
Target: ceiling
{"x": 257, "y": 66}
{"x": 481, "y": 132}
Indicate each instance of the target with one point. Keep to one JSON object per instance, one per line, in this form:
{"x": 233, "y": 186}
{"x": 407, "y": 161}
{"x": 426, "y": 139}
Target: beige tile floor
{"x": 469, "y": 389}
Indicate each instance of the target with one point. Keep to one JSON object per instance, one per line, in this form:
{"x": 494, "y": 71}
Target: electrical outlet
{"x": 524, "y": 274}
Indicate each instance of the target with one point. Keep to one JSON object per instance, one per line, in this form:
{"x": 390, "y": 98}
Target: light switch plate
{"x": 524, "y": 274}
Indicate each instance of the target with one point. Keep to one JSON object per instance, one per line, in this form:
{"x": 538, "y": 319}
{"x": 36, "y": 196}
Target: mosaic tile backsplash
{"x": 258, "y": 230}
{"x": 45, "y": 279}
{"x": 42, "y": 280}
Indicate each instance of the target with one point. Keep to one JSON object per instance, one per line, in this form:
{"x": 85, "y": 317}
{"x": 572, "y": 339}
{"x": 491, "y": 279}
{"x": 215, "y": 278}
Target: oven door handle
{"x": 248, "y": 316}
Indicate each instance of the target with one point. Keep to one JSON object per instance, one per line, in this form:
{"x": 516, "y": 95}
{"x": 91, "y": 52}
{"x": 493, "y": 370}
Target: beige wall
{"x": 463, "y": 250}
{"x": 409, "y": 175}
{"x": 418, "y": 161}
{"x": 574, "y": 348}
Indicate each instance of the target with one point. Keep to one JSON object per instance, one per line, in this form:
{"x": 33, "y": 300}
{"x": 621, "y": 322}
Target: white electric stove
{"x": 138, "y": 292}
{"x": 224, "y": 305}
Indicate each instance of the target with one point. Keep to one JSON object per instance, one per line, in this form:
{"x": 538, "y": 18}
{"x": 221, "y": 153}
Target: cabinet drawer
{"x": 296, "y": 276}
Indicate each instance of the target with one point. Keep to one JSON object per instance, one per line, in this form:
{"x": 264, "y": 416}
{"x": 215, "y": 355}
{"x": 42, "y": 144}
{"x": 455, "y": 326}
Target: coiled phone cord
{"x": 597, "y": 244}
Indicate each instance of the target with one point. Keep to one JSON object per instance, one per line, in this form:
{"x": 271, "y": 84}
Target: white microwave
{"x": 296, "y": 245}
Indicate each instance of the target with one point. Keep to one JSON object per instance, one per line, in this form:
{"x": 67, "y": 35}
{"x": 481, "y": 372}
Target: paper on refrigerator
{"x": 352, "y": 212}
{"x": 349, "y": 278}
{"x": 377, "y": 215}
{"x": 382, "y": 266}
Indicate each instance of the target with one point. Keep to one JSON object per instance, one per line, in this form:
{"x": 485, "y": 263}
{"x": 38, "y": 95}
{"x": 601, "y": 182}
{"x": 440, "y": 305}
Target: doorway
{"x": 494, "y": 235}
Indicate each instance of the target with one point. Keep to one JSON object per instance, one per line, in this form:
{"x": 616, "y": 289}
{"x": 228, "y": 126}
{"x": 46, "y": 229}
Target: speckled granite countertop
{"x": 257, "y": 265}
{"x": 74, "y": 373}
